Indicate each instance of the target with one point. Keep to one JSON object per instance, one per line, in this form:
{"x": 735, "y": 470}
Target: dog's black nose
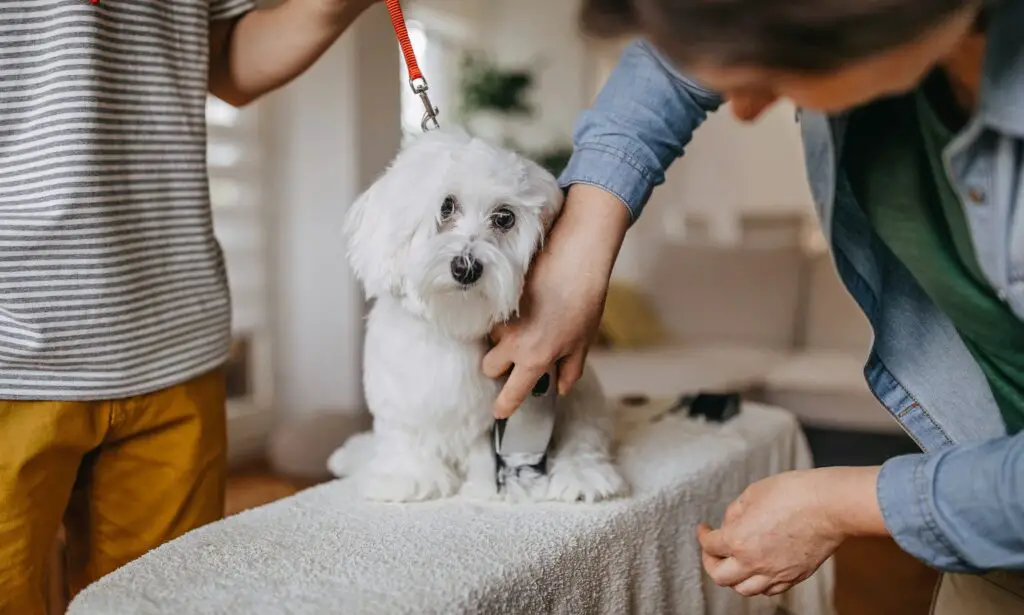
{"x": 466, "y": 269}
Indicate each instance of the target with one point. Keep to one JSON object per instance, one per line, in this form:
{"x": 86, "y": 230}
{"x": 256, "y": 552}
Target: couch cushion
{"x": 738, "y": 295}
{"x": 629, "y": 320}
{"x": 827, "y": 389}
{"x": 833, "y": 321}
{"x": 672, "y": 371}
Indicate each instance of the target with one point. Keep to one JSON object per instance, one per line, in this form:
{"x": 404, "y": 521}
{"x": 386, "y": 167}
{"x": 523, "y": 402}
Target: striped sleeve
{"x": 229, "y": 9}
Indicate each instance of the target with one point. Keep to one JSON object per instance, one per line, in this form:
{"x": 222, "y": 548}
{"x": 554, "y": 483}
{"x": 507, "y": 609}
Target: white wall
{"x": 735, "y": 167}
{"x": 729, "y": 169}
{"x": 335, "y": 128}
{"x": 543, "y": 35}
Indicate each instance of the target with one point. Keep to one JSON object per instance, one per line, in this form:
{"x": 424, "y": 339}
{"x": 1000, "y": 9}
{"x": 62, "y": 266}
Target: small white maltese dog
{"x": 442, "y": 243}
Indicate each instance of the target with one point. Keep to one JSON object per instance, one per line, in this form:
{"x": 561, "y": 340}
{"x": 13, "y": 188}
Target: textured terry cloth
{"x": 323, "y": 551}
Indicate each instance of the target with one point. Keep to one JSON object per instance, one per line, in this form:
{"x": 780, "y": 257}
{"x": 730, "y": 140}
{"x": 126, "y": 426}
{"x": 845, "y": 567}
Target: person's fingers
{"x": 497, "y": 361}
{"x": 712, "y": 541}
{"x": 710, "y": 562}
{"x": 570, "y": 371}
{"x": 728, "y": 572}
{"x": 778, "y": 588}
{"x": 753, "y": 586}
{"x": 519, "y": 384}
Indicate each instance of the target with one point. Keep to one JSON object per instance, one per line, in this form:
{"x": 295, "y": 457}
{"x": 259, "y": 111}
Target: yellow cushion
{"x": 629, "y": 321}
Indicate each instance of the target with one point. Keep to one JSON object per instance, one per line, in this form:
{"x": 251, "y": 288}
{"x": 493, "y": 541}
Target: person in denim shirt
{"x": 912, "y": 114}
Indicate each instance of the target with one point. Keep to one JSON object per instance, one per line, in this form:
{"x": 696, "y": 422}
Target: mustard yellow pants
{"x": 122, "y": 476}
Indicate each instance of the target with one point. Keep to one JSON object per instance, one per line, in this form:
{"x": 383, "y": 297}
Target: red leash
{"x": 416, "y": 80}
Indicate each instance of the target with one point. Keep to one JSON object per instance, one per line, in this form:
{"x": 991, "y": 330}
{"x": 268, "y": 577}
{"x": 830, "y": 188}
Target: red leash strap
{"x": 398, "y": 21}
{"x": 416, "y": 80}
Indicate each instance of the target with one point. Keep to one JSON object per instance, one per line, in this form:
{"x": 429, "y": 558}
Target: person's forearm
{"x": 853, "y": 501}
{"x": 266, "y": 48}
{"x": 597, "y": 221}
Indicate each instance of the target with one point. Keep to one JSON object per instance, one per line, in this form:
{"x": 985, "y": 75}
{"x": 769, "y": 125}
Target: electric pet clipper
{"x": 521, "y": 441}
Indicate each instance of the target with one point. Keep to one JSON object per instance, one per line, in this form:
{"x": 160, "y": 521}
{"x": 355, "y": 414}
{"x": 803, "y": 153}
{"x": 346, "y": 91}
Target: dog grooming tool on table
{"x": 522, "y": 441}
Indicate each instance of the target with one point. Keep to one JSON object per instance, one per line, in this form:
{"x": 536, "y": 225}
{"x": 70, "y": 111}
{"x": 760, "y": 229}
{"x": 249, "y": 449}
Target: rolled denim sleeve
{"x": 638, "y": 125}
{"x": 961, "y": 509}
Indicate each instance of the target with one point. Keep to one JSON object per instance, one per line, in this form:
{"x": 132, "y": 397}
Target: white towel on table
{"x": 323, "y": 552}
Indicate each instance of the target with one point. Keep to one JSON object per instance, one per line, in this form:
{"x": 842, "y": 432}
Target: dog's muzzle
{"x": 466, "y": 269}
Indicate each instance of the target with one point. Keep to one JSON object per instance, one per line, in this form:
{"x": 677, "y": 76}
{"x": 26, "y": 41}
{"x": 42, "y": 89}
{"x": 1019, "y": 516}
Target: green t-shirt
{"x": 893, "y": 160}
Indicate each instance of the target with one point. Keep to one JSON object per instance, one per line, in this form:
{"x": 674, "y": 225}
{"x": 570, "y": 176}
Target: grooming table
{"x": 324, "y": 552}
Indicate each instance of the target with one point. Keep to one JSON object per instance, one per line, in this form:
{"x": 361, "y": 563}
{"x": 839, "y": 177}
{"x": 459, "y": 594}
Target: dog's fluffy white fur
{"x": 442, "y": 243}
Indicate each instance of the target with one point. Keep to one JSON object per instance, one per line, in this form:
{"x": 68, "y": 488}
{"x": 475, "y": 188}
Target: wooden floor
{"x": 254, "y": 486}
{"x": 873, "y": 577}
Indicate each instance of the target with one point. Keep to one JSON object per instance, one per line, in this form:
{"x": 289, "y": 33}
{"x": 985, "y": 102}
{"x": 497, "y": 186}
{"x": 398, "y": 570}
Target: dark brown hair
{"x": 802, "y": 35}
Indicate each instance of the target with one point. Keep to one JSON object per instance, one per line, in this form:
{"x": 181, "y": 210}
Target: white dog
{"x": 442, "y": 243}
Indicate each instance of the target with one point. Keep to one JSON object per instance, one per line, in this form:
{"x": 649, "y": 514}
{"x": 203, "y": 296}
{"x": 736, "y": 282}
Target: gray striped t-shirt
{"x": 111, "y": 281}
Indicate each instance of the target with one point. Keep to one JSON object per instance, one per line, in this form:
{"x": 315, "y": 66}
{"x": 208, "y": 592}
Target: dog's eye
{"x": 503, "y": 219}
{"x": 448, "y": 207}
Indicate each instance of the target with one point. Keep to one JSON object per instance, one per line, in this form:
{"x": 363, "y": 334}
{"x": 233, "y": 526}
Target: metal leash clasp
{"x": 430, "y": 112}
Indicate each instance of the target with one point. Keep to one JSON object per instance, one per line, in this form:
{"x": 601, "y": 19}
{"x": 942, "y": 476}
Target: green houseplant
{"x": 487, "y": 89}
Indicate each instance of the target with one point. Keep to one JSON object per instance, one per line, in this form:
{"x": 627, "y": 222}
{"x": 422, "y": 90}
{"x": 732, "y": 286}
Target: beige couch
{"x": 770, "y": 319}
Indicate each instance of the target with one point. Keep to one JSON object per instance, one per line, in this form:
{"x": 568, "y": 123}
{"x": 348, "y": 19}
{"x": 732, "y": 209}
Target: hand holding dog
{"x": 563, "y": 299}
{"x": 781, "y": 529}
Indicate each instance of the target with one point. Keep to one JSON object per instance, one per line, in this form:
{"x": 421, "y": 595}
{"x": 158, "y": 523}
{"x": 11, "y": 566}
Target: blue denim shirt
{"x": 959, "y": 506}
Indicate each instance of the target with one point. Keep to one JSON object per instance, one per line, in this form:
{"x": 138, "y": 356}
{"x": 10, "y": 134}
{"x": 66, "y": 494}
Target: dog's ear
{"x": 386, "y": 219}
{"x": 546, "y": 191}
{"x": 376, "y": 238}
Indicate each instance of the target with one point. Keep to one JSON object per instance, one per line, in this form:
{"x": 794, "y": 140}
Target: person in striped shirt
{"x": 114, "y": 307}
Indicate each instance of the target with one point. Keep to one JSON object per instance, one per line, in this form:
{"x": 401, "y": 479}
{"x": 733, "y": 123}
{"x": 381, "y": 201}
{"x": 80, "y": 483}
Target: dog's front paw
{"x": 484, "y": 490}
{"x": 352, "y": 456}
{"x": 525, "y": 484}
{"x": 587, "y": 479}
{"x": 425, "y": 483}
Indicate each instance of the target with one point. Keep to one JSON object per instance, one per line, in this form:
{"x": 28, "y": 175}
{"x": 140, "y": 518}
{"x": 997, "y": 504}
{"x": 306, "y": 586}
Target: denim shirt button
{"x": 976, "y": 195}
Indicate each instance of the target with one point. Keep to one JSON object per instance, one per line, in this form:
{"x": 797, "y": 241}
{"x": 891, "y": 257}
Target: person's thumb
{"x": 570, "y": 370}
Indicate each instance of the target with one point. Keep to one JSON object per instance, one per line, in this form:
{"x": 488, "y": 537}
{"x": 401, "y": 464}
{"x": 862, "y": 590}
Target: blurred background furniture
{"x": 765, "y": 314}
